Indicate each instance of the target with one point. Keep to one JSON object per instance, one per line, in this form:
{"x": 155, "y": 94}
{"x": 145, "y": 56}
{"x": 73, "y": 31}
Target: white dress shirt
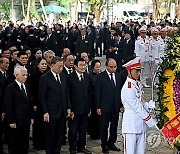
{"x": 54, "y": 74}
{"x": 113, "y": 75}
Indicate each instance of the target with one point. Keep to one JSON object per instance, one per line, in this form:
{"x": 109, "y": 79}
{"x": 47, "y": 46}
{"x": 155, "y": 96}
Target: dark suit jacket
{"x": 53, "y": 97}
{"x": 3, "y": 84}
{"x": 79, "y": 93}
{"x": 49, "y": 43}
{"x": 108, "y": 97}
{"x": 18, "y": 106}
{"x": 82, "y": 45}
{"x": 128, "y": 49}
{"x": 59, "y": 43}
{"x": 65, "y": 71}
{"x": 32, "y": 42}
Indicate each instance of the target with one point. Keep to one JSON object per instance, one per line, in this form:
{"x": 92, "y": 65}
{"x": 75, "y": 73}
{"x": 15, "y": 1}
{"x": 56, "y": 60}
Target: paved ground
{"x": 156, "y": 144}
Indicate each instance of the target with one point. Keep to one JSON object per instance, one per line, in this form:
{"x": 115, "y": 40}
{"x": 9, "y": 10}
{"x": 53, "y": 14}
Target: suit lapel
{"x": 53, "y": 80}
{"x": 19, "y": 90}
{"x": 107, "y": 77}
{"x": 77, "y": 80}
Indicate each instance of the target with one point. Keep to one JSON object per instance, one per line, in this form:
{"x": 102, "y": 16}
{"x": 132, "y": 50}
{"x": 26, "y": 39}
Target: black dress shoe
{"x": 105, "y": 150}
{"x": 86, "y": 151}
{"x": 73, "y": 152}
{"x": 114, "y": 148}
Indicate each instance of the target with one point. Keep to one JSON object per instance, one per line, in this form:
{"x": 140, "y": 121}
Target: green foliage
{"x": 65, "y": 3}
{"x": 170, "y": 61}
{"x": 93, "y": 2}
{"x": 5, "y": 9}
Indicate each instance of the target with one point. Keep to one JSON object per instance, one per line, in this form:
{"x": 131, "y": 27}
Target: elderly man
{"x": 53, "y": 99}
{"x": 48, "y": 55}
{"x": 4, "y": 64}
{"x": 19, "y": 112}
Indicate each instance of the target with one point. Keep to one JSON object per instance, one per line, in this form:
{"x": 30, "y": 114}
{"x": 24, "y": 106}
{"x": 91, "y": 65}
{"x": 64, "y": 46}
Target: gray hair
{"x": 48, "y": 52}
{"x": 19, "y": 69}
{"x": 56, "y": 59}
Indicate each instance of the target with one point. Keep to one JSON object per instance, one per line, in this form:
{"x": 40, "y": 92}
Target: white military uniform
{"x": 154, "y": 53}
{"x": 141, "y": 50}
{"x": 135, "y": 118}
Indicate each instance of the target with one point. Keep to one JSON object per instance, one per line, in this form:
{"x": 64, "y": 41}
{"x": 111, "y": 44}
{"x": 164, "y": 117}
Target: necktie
{"x": 83, "y": 38}
{"x": 112, "y": 81}
{"x": 144, "y": 40}
{"x": 81, "y": 78}
{"x": 70, "y": 71}
{"x": 4, "y": 74}
{"x": 57, "y": 79}
{"x": 23, "y": 90}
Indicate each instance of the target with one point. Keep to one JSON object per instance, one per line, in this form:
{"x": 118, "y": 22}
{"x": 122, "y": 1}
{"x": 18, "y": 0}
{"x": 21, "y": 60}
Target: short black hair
{"x": 36, "y": 49}
{"x": 26, "y": 48}
{"x": 93, "y": 63}
{"x": 39, "y": 60}
{"x": 116, "y": 34}
{"x": 77, "y": 60}
{"x": 21, "y": 53}
{"x": 65, "y": 56}
{"x": 56, "y": 59}
{"x": 31, "y": 31}
{"x": 12, "y": 51}
{"x": 4, "y": 49}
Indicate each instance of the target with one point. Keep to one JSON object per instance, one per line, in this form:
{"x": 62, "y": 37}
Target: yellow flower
{"x": 169, "y": 91}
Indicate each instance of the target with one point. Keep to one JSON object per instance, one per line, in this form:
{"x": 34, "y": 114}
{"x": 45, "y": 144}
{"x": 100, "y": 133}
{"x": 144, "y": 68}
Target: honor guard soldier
{"x": 163, "y": 42}
{"x": 141, "y": 51}
{"x": 154, "y": 50}
{"x": 136, "y": 112}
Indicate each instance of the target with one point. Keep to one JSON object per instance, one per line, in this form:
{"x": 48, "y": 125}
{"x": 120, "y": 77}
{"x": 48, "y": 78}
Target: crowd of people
{"x": 51, "y": 78}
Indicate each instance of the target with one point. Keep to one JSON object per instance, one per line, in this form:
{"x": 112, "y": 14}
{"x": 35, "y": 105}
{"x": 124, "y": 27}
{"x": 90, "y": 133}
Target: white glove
{"x": 151, "y": 104}
{"x": 151, "y": 122}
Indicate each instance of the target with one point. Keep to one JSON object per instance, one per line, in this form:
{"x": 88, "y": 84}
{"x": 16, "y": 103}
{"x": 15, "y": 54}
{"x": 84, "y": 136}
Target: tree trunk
{"x": 12, "y": 9}
{"x": 97, "y": 12}
{"x": 44, "y": 11}
{"x": 156, "y": 7}
{"x": 155, "y": 11}
{"x": 28, "y": 11}
{"x": 33, "y": 8}
{"x": 23, "y": 11}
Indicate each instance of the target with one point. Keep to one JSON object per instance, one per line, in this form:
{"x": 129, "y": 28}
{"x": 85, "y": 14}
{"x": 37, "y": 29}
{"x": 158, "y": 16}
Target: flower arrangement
{"x": 169, "y": 83}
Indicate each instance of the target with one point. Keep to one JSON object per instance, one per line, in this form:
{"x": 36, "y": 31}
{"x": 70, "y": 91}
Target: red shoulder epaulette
{"x": 129, "y": 84}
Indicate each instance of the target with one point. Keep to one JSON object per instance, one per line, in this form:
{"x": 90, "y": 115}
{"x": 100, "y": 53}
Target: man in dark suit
{"x": 58, "y": 40}
{"x": 119, "y": 51}
{"x": 49, "y": 40}
{"x": 79, "y": 85}
{"x": 98, "y": 40}
{"x": 11, "y": 35}
{"x": 91, "y": 39}
{"x": 108, "y": 104}
{"x": 67, "y": 69}
{"x": 111, "y": 44}
{"x": 82, "y": 43}
{"x": 2, "y": 37}
{"x": 31, "y": 41}
{"x": 19, "y": 112}
{"x": 53, "y": 99}
{"x": 4, "y": 64}
{"x": 85, "y": 56}
{"x": 128, "y": 46}
{"x": 68, "y": 64}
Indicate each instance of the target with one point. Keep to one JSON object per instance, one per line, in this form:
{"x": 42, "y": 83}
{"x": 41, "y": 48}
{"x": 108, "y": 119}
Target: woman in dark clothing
{"x": 94, "y": 123}
{"x": 38, "y": 126}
